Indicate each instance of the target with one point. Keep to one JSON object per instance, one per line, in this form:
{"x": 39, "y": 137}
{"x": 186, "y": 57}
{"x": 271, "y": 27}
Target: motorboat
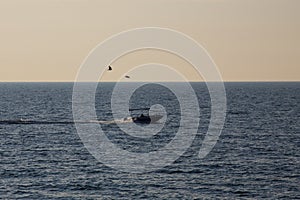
{"x": 141, "y": 115}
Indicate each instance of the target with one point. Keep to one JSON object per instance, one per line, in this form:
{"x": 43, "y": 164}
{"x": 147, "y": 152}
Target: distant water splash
{"x": 125, "y": 120}
{"x": 25, "y": 121}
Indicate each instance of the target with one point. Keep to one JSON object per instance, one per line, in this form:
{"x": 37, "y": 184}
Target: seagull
{"x": 127, "y": 76}
{"x": 109, "y": 68}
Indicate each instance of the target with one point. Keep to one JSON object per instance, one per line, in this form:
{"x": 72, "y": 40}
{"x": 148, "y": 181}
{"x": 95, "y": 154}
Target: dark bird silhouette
{"x": 127, "y": 76}
{"x": 109, "y": 68}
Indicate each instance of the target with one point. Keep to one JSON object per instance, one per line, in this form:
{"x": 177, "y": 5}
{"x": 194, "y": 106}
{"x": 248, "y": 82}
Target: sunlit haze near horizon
{"x": 249, "y": 40}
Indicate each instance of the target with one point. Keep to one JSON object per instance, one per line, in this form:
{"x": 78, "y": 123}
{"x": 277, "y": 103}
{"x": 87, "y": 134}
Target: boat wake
{"x": 28, "y": 122}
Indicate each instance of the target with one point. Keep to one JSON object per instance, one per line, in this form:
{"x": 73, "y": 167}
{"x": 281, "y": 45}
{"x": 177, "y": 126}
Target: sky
{"x": 249, "y": 40}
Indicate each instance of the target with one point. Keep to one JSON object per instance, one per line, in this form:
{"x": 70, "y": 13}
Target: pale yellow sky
{"x": 249, "y": 40}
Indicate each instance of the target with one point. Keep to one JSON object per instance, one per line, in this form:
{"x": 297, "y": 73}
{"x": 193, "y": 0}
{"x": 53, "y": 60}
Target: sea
{"x": 257, "y": 155}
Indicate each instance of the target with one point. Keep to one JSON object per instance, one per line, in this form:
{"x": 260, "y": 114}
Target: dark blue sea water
{"x": 257, "y": 155}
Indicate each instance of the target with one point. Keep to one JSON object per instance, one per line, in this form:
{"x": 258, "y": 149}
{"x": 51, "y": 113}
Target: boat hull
{"x": 147, "y": 119}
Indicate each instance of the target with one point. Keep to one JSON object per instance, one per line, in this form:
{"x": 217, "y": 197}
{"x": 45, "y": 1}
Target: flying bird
{"x": 109, "y": 68}
{"x": 127, "y": 76}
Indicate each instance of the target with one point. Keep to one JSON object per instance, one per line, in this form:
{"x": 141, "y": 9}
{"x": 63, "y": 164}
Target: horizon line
{"x": 192, "y": 81}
